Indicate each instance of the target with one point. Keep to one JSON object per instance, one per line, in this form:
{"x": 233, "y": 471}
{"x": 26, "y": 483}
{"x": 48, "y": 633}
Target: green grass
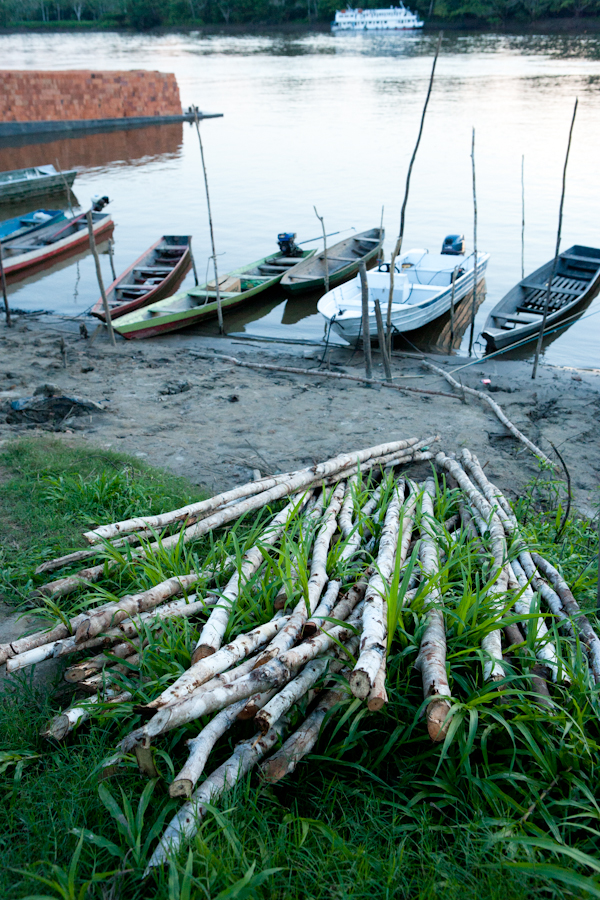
{"x": 50, "y": 493}
{"x": 505, "y": 809}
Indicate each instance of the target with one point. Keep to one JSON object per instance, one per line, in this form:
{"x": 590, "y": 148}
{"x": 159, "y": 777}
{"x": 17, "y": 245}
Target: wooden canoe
{"x": 157, "y": 272}
{"x": 199, "y": 303}
{"x": 343, "y": 260}
{"x": 45, "y": 246}
{"x": 520, "y": 313}
{"x": 32, "y": 182}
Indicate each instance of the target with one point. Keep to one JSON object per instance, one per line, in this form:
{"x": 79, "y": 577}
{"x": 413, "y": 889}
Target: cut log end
{"x": 57, "y": 729}
{"x": 201, "y": 652}
{"x": 182, "y": 787}
{"x": 437, "y": 726}
{"x": 359, "y": 684}
{"x": 262, "y": 723}
{"x": 377, "y": 701}
{"x": 248, "y": 712}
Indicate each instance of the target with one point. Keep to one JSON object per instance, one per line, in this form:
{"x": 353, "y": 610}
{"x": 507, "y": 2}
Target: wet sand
{"x": 216, "y": 423}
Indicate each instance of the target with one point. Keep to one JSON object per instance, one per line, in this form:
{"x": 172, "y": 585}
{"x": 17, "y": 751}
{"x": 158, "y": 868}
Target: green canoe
{"x": 198, "y": 303}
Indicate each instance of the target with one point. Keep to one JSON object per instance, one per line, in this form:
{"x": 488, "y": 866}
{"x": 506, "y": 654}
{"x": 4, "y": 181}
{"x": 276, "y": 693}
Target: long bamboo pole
{"x": 90, "y": 224}
{"x": 322, "y": 221}
{"x": 382, "y": 344}
{"x": 474, "y": 304}
{"x": 4, "y": 294}
{"x": 210, "y": 224}
{"x": 111, "y": 256}
{"x": 398, "y": 246}
{"x": 364, "y": 289}
{"x": 452, "y": 310}
{"x": 538, "y": 348}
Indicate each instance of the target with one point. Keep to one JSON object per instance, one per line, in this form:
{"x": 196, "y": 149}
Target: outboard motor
{"x": 454, "y": 245}
{"x": 287, "y": 244}
{"x": 99, "y": 202}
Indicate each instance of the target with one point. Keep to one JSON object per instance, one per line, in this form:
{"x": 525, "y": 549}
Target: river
{"x": 330, "y": 121}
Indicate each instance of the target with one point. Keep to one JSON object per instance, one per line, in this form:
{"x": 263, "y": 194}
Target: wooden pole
{"x": 452, "y": 309}
{"x": 365, "y": 320}
{"x": 382, "y": 342}
{"x": 210, "y": 223}
{"x": 398, "y": 246}
{"x": 90, "y": 224}
{"x": 522, "y": 217}
{"x": 322, "y": 221}
{"x": 193, "y": 262}
{"x": 538, "y": 348}
{"x": 474, "y": 304}
{"x": 111, "y": 249}
{"x": 66, "y": 184}
{"x": 4, "y": 295}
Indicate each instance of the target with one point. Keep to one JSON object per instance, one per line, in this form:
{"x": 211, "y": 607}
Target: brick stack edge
{"x": 62, "y": 96}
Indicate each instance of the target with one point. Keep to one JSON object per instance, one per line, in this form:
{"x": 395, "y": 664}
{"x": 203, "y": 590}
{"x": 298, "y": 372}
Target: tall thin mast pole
{"x": 212, "y": 234}
{"x": 538, "y": 348}
{"x": 474, "y": 304}
{"x": 522, "y": 217}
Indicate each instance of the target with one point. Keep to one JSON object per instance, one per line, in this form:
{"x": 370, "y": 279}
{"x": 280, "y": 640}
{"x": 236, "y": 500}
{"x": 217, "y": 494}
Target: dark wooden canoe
{"x": 343, "y": 260}
{"x": 519, "y": 314}
{"x": 157, "y": 273}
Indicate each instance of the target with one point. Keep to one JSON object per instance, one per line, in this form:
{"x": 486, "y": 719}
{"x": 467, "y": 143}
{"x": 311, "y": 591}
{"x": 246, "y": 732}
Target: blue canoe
{"x": 21, "y": 225}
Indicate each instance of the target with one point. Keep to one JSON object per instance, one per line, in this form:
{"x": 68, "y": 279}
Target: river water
{"x": 331, "y": 121}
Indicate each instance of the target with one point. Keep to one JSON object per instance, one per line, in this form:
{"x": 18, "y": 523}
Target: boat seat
{"x": 284, "y": 261}
{"x": 370, "y": 240}
{"x": 134, "y": 287}
{"x": 165, "y": 269}
{"x": 536, "y": 286}
{"x": 583, "y": 259}
{"x": 520, "y": 318}
{"x": 341, "y": 258}
{"x": 167, "y": 312}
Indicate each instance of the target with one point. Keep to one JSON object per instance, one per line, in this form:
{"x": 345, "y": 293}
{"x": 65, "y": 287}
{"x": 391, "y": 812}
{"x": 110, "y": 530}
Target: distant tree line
{"x": 146, "y": 14}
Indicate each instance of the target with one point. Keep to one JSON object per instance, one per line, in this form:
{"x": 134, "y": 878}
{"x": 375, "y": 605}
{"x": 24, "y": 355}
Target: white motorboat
{"x": 396, "y": 18}
{"x": 422, "y": 290}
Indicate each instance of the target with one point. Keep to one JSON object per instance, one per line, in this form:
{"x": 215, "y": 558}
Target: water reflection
{"x": 135, "y": 147}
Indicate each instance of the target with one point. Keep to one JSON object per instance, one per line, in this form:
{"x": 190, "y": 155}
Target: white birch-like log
{"x": 316, "y": 582}
{"x": 255, "y": 703}
{"x": 302, "y": 741}
{"x": 354, "y": 540}
{"x": 431, "y": 660}
{"x": 89, "y": 667}
{"x": 185, "y": 823}
{"x": 497, "y": 410}
{"x": 199, "y": 673}
{"x": 547, "y": 593}
{"x": 345, "y": 518}
{"x": 96, "y": 622}
{"x": 272, "y": 674}
{"x": 211, "y": 636}
{"x": 378, "y": 695}
{"x": 343, "y": 607}
{"x": 62, "y": 724}
{"x": 543, "y": 647}
{"x": 79, "y": 555}
{"x": 200, "y": 747}
{"x": 295, "y": 689}
{"x": 587, "y": 635}
{"x": 374, "y": 622}
{"x": 492, "y": 494}
{"x": 326, "y": 604}
{"x": 127, "y": 628}
{"x": 487, "y": 520}
{"x": 296, "y": 481}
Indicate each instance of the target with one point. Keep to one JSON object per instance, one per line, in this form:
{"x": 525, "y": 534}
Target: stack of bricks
{"x": 71, "y": 96}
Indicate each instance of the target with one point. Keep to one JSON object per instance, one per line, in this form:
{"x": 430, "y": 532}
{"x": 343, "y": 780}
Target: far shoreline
{"x": 559, "y": 26}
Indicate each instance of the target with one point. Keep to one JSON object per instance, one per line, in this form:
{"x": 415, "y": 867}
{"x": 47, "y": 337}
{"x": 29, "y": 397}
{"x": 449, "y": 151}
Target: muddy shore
{"x": 216, "y": 423}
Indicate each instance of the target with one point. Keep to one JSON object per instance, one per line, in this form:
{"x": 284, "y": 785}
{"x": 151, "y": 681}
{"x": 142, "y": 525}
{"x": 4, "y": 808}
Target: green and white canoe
{"x": 198, "y": 303}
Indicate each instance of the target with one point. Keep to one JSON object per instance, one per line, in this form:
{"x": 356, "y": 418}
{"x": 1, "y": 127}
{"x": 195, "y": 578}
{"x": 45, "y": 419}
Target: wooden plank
{"x": 532, "y": 286}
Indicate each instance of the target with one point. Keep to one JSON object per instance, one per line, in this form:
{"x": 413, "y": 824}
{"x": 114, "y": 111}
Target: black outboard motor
{"x": 287, "y": 244}
{"x": 454, "y": 245}
{"x": 99, "y": 202}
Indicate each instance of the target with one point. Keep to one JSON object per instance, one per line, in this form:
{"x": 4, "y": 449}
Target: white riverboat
{"x": 422, "y": 291}
{"x": 396, "y": 18}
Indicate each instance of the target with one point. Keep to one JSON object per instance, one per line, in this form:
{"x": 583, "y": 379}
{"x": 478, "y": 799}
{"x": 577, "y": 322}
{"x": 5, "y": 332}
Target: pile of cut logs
{"x": 357, "y": 513}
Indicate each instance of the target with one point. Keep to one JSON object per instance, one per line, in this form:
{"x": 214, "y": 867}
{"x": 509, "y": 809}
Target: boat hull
{"x": 512, "y": 306}
{"x": 169, "y": 284}
{"x": 140, "y": 324}
{"x": 411, "y": 318}
{"x": 336, "y": 277}
{"x": 18, "y": 267}
{"x": 36, "y": 187}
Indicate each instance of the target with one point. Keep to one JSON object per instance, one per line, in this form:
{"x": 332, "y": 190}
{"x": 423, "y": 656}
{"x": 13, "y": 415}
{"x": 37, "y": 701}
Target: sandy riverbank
{"x": 216, "y": 423}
